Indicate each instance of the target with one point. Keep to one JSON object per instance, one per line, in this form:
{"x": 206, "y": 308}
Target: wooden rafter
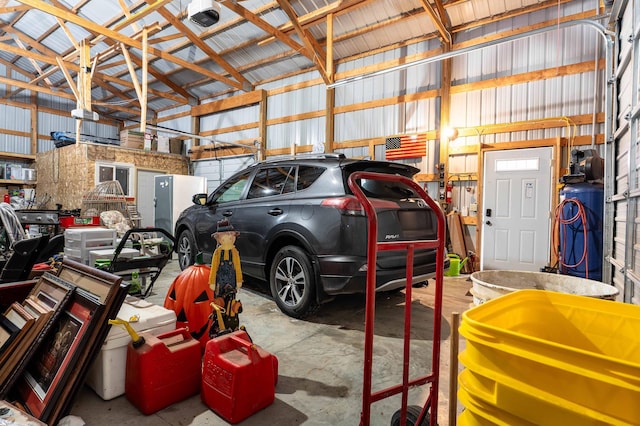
{"x": 68, "y": 77}
{"x": 266, "y": 27}
{"x": 312, "y": 45}
{"x": 118, "y": 23}
{"x": 119, "y": 87}
{"x": 12, "y": 9}
{"x": 35, "y": 64}
{"x": 318, "y": 16}
{"x": 116, "y": 36}
{"x": 68, "y": 33}
{"x": 69, "y": 65}
{"x": 445, "y": 35}
{"x": 127, "y": 13}
{"x": 444, "y": 16}
{"x": 182, "y": 28}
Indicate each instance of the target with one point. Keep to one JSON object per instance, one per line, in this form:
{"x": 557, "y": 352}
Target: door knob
{"x": 489, "y": 223}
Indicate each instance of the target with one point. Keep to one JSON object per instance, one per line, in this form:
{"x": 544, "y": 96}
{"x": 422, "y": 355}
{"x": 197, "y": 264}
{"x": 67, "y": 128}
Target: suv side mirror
{"x": 199, "y": 199}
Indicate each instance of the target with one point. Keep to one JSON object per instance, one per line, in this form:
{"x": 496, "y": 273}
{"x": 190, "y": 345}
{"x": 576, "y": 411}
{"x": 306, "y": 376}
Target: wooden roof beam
{"x": 318, "y": 55}
{"x": 316, "y": 17}
{"x": 445, "y": 35}
{"x": 202, "y": 45}
{"x": 266, "y": 27}
{"x": 104, "y": 77}
{"x": 116, "y": 36}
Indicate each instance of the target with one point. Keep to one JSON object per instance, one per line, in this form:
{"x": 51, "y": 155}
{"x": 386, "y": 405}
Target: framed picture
{"x": 8, "y": 332}
{"x": 47, "y": 370}
{"x": 98, "y": 283}
{"x": 50, "y": 291}
{"x": 23, "y": 320}
{"x": 12, "y": 415}
{"x": 34, "y": 308}
{"x": 18, "y": 315}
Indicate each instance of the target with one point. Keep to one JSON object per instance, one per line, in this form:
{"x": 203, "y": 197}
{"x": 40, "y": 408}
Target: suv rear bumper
{"x": 347, "y": 275}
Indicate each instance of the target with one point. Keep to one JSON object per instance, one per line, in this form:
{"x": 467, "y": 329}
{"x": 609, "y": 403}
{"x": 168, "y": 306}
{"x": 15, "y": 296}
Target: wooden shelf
{"x": 17, "y": 182}
{"x": 14, "y": 155}
{"x": 469, "y": 220}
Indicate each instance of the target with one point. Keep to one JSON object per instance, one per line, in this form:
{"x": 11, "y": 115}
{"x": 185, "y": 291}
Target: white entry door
{"x": 516, "y": 216}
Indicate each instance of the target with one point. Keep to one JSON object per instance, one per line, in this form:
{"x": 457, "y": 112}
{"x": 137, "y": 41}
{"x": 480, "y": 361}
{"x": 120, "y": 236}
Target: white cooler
{"x": 107, "y": 373}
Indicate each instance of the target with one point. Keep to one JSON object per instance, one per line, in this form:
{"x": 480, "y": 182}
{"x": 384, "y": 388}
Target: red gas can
{"x": 238, "y": 377}
{"x": 164, "y": 370}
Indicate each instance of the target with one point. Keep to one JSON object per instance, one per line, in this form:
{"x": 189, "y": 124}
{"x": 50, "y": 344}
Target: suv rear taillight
{"x": 349, "y": 206}
{"x": 352, "y": 207}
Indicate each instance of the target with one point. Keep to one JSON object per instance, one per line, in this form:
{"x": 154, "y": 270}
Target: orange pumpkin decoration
{"x": 189, "y": 296}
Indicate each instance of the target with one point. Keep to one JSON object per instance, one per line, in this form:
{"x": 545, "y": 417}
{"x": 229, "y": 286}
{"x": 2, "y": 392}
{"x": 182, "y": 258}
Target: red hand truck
{"x": 407, "y": 415}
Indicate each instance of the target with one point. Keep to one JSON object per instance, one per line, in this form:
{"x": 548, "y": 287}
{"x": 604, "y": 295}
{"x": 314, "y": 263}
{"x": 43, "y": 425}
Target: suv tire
{"x": 186, "y": 249}
{"x": 293, "y": 282}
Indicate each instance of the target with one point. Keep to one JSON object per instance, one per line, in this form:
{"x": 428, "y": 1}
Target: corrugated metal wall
{"x": 231, "y": 118}
{"x": 531, "y": 100}
{"x": 217, "y": 171}
{"x": 625, "y": 250}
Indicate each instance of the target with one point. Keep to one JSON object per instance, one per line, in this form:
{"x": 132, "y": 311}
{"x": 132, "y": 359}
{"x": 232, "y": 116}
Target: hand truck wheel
{"x": 413, "y": 412}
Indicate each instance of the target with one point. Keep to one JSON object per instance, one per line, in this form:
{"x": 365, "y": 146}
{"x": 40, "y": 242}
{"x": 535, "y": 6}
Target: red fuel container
{"x": 164, "y": 370}
{"x": 238, "y": 377}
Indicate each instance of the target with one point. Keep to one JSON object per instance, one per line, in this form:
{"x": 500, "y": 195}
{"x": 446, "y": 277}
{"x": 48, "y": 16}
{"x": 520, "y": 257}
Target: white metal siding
{"x": 217, "y": 171}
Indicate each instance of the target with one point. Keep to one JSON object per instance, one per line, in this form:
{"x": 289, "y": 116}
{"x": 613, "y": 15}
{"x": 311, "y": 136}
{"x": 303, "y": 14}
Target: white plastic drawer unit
{"x": 89, "y": 237}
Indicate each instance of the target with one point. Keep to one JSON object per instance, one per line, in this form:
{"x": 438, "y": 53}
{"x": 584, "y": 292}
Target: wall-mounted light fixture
{"x": 451, "y": 133}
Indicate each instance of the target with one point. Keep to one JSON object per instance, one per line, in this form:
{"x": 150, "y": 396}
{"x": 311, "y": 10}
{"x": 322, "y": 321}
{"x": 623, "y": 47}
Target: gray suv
{"x": 304, "y": 232}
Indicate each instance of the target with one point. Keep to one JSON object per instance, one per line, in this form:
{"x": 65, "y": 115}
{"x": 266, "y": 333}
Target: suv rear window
{"x": 385, "y": 189}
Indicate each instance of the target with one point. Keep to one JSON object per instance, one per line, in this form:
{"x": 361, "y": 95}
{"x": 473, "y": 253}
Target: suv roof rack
{"x": 335, "y": 155}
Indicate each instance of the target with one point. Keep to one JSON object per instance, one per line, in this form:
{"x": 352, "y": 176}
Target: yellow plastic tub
{"x": 519, "y": 400}
{"x": 479, "y": 413}
{"x": 579, "y": 352}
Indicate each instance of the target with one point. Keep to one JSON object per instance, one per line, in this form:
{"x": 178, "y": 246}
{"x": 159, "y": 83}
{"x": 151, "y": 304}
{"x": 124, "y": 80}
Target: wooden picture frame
{"x": 45, "y": 375}
{"x": 12, "y": 415}
{"x": 17, "y": 314}
{"x": 8, "y": 332}
{"x": 76, "y": 380}
{"x": 98, "y": 283}
{"x": 50, "y": 291}
{"x": 22, "y": 319}
{"x": 34, "y": 308}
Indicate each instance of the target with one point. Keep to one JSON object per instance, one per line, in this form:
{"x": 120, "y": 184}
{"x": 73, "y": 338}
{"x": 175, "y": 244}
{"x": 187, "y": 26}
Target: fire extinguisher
{"x": 448, "y": 191}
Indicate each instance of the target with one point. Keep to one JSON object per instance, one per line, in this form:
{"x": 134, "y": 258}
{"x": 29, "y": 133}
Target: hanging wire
{"x": 560, "y": 222}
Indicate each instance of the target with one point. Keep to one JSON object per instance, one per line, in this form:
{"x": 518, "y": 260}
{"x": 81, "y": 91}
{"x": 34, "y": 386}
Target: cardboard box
{"x": 132, "y": 139}
{"x": 163, "y": 144}
{"x": 107, "y": 374}
{"x": 175, "y": 146}
{"x": 148, "y": 141}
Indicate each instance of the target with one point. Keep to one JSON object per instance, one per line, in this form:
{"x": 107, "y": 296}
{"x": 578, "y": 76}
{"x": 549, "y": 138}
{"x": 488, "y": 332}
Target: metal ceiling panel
{"x": 360, "y": 27}
{"x": 33, "y": 24}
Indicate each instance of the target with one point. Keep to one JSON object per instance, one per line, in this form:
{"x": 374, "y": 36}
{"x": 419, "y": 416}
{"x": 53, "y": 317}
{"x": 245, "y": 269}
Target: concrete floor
{"x": 320, "y": 360}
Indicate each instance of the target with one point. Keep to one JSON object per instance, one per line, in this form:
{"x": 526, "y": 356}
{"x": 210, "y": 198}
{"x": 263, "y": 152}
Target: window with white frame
{"x": 122, "y": 172}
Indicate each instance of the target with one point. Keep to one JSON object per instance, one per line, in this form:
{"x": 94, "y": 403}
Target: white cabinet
{"x": 173, "y": 194}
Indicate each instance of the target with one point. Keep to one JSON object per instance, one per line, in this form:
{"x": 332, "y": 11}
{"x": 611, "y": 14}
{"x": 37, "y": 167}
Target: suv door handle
{"x": 227, "y": 213}
{"x": 275, "y": 212}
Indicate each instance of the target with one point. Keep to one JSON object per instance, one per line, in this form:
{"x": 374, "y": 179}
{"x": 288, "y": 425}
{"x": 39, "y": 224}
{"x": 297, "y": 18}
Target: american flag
{"x": 406, "y": 146}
